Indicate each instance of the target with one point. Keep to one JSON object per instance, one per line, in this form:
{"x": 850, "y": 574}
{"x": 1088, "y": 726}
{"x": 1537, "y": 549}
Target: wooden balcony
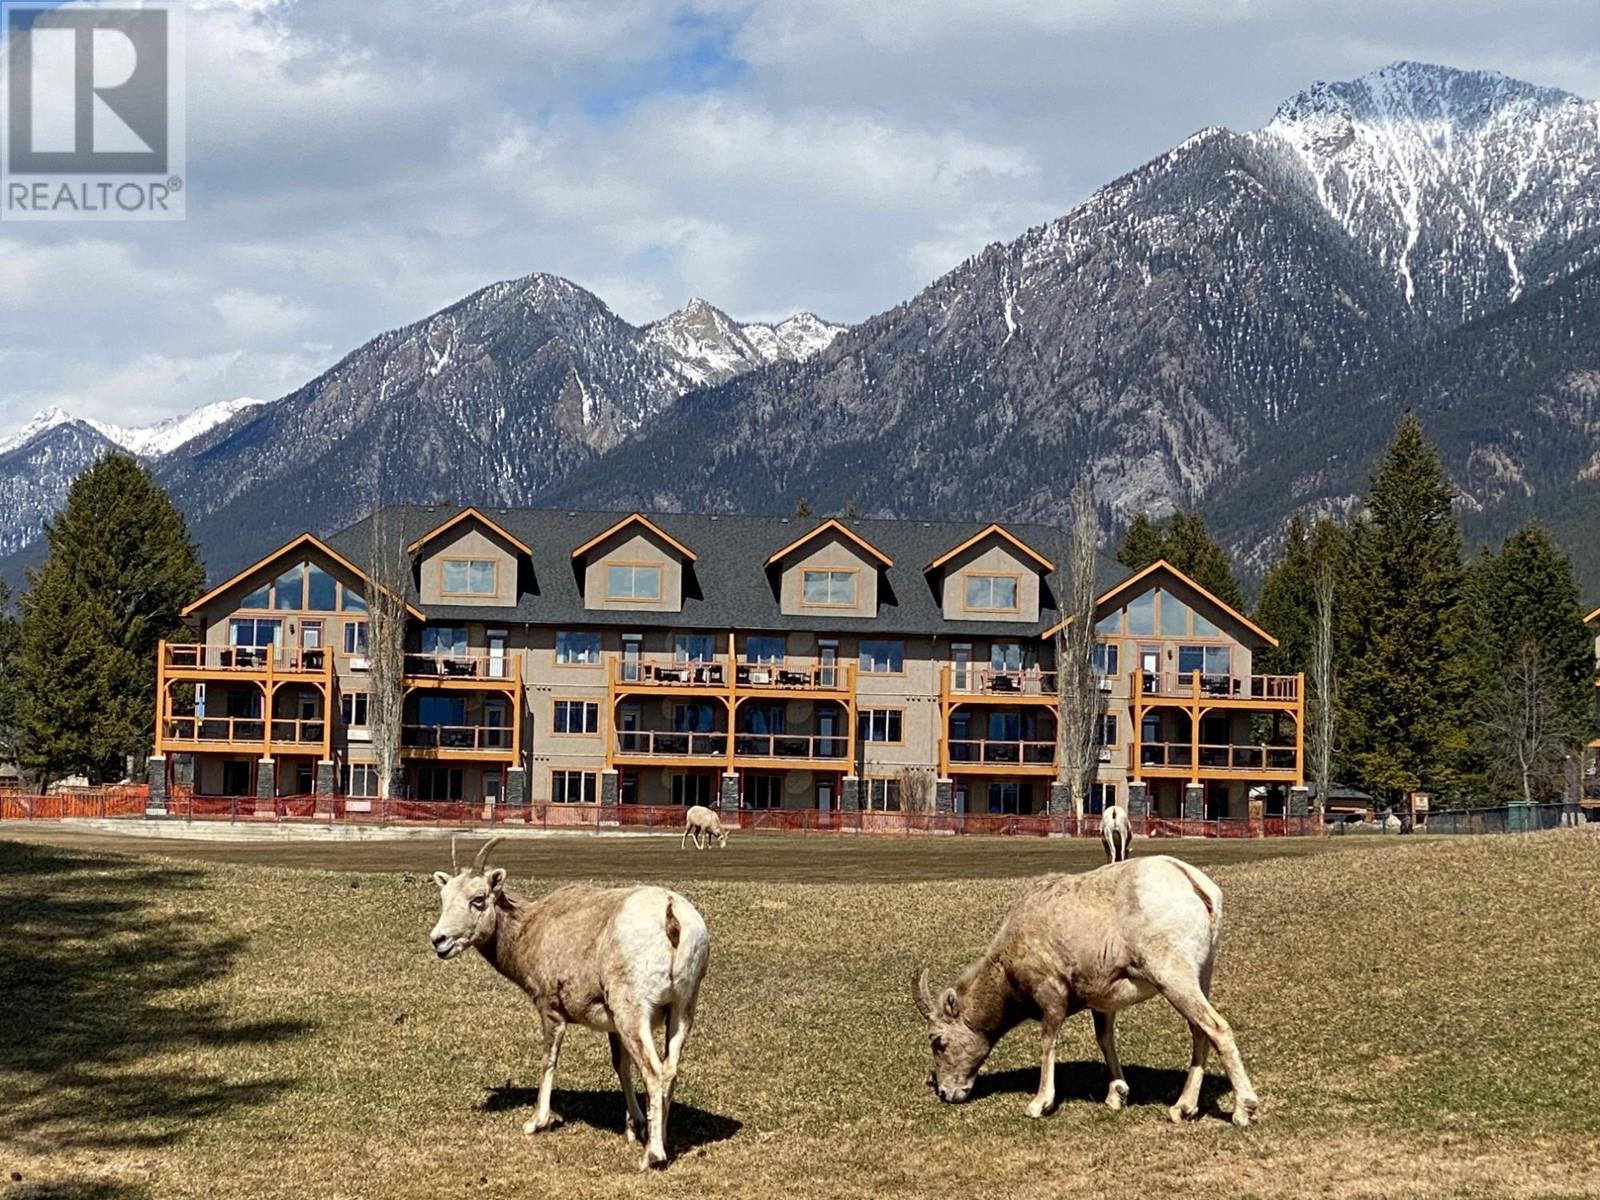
{"x": 245, "y": 734}
{"x": 469, "y": 669}
{"x": 748, "y": 678}
{"x": 458, "y": 741}
{"x": 191, "y": 660}
{"x": 1005, "y": 686}
{"x": 1200, "y": 688}
{"x": 1184, "y": 759}
{"x": 790, "y": 747}
{"x": 991, "y": 756}
{"x": 634, "y": 745}
{"x": 748, "y": 748}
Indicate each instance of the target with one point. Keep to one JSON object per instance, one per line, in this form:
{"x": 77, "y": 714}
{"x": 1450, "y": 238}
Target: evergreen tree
{"x": 1406, "y": 692}
{"x": 10, "y": 635}
{"x": 121, "y": 567}
{"x": 1288, "y": 605}
{"x": 802, "y": 508}
{"x": 1187, "y": 544}
{"x": 1142, "y": 543}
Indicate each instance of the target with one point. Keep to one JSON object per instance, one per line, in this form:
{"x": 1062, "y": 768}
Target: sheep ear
{"x": 950, "y": 1009}
{"x": 441, "y": 877}
{"x": 922, "y": 994}
{"x": 497, "y": 879}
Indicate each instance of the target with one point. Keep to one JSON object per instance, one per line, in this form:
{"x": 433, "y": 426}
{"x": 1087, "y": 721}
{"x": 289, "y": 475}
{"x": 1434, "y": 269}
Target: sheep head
{"x": 470, "y": 899}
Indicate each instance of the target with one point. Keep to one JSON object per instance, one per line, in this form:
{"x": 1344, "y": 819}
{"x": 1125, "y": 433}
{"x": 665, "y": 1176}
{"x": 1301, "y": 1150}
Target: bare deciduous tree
{"x": 1079, "y": 701}
{"x": 1528, "y": 735}
{"x": 917, "y": 790}
{"x": 1322, "y": 687}
{"x": 388, "y": 569}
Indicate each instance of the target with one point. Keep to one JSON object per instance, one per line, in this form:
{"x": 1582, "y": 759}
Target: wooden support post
{"x": 1300, "y": 732}
{"x": 730, "y": 698}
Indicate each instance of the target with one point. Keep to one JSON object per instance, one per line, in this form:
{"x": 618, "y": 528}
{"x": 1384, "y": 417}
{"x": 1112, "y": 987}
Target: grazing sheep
{"x": 618, "y": 960}
{"x": 1116, "y": 832}
{"x": 1102, "y": 941}
{"x": 702, "y": 824}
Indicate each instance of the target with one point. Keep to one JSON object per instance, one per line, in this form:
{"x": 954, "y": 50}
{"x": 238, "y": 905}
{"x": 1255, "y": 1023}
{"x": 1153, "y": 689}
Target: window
{"x": 242, "y": 704}
{"x": 447, "y": 640}
{"x": 1142, "y": 614}
{"x": 883, "y": 658}
{"x": 1204, "y": 628}
{"x": 572, "y": 787}
{"x": 355, "y": 637}
{"x": 1101, "y": 797}
{"x": 439, "y": 711}
{"x": 882, "y": 725}
{"x": 832, "y": 589}
{"x": 439, "y": 783}
{"x": 762, "y": 718}
{"x": 1208, "y": 660}
{"x": 1105, "y": 731}
{"x": 1005, "y": 799}
{"x": 1104, "y": 658}
{"x": 468, "y": 576}
{"x": 1174, "y": 616}
{"x": 253, "y": 631}
{"x": 763, "y": 791}
{"x": 577, "y": 716}
{"x": 693, "y": 647}
{"x": 1010, "y": 656}
{"x": 577, "y": 649}
{"x": 237, "y": 779}
{"x": 691, "y": 789}
{"x": 260, "y": 598}
{"x": 350, "y": 601}
{"x": 992, "y": 593}
{"x": 353, "y": 709}
{"x": 361, "y": 780}
{"x": 693, "y": 718}
{"x": 633, "y": 581}
{"x": 287, "y": 588}
{"x": 759, "y": 649}
{"x": 321, "y": 591}
{"x": 1110, "y": 623}
{"x": 883, "y": 795}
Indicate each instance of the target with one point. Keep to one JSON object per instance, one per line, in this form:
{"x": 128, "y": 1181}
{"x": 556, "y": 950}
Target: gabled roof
{"x": 304, "y": 541}
{"x": 635, "y": 519}
{"x": 1132, "y": 585}
{"x": 1000, "y": 531}
{"x": 466, "y": 514}
{"x": 835, "y": 526}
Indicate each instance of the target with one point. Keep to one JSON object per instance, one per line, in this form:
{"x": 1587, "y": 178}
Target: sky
{"x": 355, "y": 165}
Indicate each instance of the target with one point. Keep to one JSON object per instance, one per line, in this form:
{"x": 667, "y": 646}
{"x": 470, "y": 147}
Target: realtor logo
{"x": 93, "y": 111}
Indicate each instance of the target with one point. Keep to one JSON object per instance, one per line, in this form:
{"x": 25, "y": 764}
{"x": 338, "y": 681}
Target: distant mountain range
{"x": 1233, "y": 326}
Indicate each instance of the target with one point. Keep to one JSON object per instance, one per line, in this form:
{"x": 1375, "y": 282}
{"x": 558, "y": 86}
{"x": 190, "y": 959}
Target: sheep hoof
{"x": 1117, "y": 1097}
{"x": 1039, "y": 1107}
{"x": 653, "y": 1160}
{"x": 1244, "y": 1111}
{"x": 1179, "y": 1114}
{"x": 551, "y": 1120}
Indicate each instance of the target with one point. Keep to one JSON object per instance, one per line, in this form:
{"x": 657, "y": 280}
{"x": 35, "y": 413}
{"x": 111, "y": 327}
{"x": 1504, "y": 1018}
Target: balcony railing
{"x": 467, "y": 739}
{"x": 987, "y": 752}
{"x": 282, "y": 660}
{"x": 999, "y": 681}
{"x": 245, "y": 731}
{"x": 832, "y": 677}
{"x": 713, "y": 673}
{"x": 790, "y": 745}
{"x": 466, "y": 664}
{"x": 1200, "y": 685}
{"x": 1183, "y": 756}
{"x": 656, "y": 744}
{"x": 652, "y": 672}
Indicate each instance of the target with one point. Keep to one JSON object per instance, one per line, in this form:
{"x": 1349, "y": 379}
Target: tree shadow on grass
{"x": 99, "y": 964}
{"x": 1086, "y": 1081}
{"x": 688, "y": 1127}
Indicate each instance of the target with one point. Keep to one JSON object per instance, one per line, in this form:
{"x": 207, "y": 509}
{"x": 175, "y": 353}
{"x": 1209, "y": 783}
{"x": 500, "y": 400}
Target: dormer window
{"x": 829, "y": 588}
{"x": 633, "y": 581}
{"x": 992, "y": 593}
{"x": 469, "y": 577}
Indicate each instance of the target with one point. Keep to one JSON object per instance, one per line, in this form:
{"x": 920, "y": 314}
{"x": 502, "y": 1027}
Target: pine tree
{"x": 1288, "y": 605}
{"x": 10, "y": 635}
{"x": 121, "y": 567}
{"x": 1406, "y": 693}
{"x": 1143, "y": 542}
{"x": 802, "y": 508}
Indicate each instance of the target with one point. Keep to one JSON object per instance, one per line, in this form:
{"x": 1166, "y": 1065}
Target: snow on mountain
{"x": 47, "y": 419}
{"x": 1468, "y": 186}
{"x": 709, "y": 347}
{"x": 153, "y": 441}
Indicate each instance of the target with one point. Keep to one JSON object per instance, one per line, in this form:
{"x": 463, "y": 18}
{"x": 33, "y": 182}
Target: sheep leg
{"x": 641, "y": 1044}
{"x": 1044, "y": 1100}
{"x": 543, "y": 1118}
{"x": 1188, "y": 1105}
{"x": 1105, "y": 1032}
{"x": 683, "y": 843}
{"x": 680, "y": 1019}
{"x": 622, "y": 1063}
{"x": 1190, "y": 1001}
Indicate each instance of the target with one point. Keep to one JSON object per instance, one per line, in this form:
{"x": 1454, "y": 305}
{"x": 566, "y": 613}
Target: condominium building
{"x": 661, "y": 659}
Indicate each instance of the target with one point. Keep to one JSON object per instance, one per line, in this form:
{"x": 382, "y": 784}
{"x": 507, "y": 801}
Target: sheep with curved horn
{"x": 625, "y": 961}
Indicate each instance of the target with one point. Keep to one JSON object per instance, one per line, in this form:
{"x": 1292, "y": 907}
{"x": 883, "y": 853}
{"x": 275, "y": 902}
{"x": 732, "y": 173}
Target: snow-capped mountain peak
{"x": 709, "y": 347}
{"x": 48, "y": 418}
{"x": 146, "y": 441}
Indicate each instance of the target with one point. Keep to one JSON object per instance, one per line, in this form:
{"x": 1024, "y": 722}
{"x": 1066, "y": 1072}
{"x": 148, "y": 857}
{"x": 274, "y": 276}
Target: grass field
{"x": 1420, "y": 1016}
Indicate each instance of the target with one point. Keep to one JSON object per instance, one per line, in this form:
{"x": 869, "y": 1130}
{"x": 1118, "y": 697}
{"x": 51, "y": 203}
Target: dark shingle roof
{"x": 727, "y": 588}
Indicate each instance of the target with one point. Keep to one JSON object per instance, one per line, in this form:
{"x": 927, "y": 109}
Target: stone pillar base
{"x": 517, "y": 787}
{"x": 325, "y": 787}
{"x": 728, "y": 794}
{"x": 850, "y": 794}
{"x": 944, "y": 796}
{"x": 155, "y": 774}
{"x": 1138, "y": 801}
{"x": 1299, "y": 801}
{"x": 1194, "y": 802}
{"x": 267, "y": 779}
{"x": 1060, "y": 799}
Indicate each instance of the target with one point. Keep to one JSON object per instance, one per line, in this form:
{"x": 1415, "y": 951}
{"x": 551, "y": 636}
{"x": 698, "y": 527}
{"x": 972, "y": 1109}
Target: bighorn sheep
{"x": 619, "y": 960}
{"x": 702, "y": 824}
{"x": 1103, "y": 941}
{"x": 1116, "y": 832}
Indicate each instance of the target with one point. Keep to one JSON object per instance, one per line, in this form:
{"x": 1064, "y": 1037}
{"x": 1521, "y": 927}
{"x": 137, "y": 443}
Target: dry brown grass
{"x": 1420, "y": 1018}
